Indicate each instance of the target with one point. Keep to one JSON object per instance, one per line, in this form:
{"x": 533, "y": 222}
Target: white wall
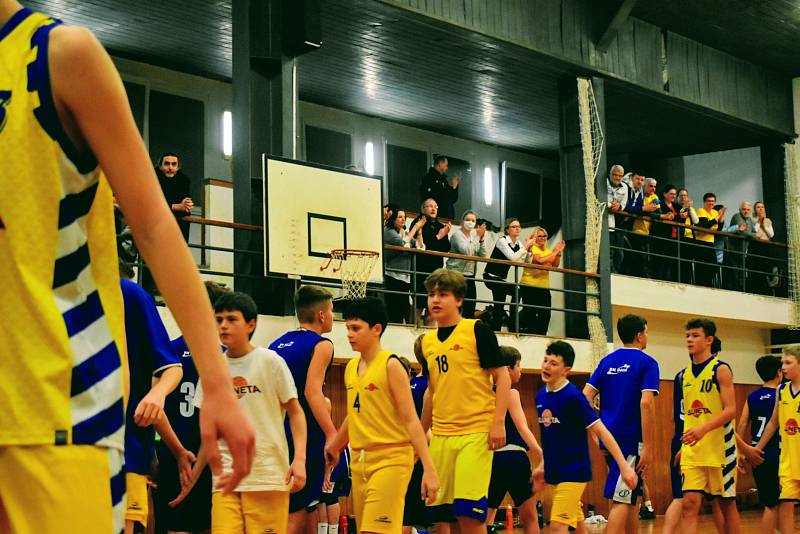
{"x": 733, "y": 175}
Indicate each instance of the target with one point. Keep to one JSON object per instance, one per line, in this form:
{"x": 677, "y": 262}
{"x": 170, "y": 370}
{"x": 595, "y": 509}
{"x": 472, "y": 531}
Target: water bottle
{"x": 540, "y": 514}
{"x": 343, "y": 525}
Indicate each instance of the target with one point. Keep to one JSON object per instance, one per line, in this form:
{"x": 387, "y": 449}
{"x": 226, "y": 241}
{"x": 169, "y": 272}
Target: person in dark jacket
{"x": 175, "y": 185}
{"x": 436, "y": 186}
{"x": 435, "y": 235}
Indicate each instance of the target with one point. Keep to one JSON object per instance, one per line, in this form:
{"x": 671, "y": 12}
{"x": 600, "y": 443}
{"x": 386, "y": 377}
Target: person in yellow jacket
{"x": 639, "y": 239}
{"x": 705, "y": 269}
{"x": 535, "y": 284}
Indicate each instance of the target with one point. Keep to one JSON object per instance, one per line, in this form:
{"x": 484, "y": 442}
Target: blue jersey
{"x": 677, "y": 410}
{"x": 419, "y": 384}
{"x": 149, "y": 353}
{"x": 564, "y": 416}
{"x": 296, "y": 347}
{"x": 513, "y": 436}
{"x": 761, "y": 404}
{"x": 620, "y": 378}
{"x": 179, "y": 405}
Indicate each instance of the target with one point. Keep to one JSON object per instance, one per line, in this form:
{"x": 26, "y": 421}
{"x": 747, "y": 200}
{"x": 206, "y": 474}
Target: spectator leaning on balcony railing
{"x": 508, "y": 248}
{"x": 435, "y": 235}
{"x": 468, "y": 241}
{"x": 665, "y": 236}
{"x": 639, "y": 264}
{"x": 617, "y": 199}
{"x": 742, "y": 223}
{"x": 688, "y": 250}
{"x": 535, "y": 288}
{"x": 394, "y": 233}
{"x": 706, "y": 256}
{"x": 760, "y": 252}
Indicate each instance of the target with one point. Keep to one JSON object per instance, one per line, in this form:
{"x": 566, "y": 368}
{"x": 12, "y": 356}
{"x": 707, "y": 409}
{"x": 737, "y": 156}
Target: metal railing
{"x": 747, "y": 264}
{"x": 520, "y": 305}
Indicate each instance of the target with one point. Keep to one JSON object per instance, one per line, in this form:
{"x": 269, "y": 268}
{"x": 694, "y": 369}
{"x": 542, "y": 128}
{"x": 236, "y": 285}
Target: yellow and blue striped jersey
{"x": 61, "y": 321}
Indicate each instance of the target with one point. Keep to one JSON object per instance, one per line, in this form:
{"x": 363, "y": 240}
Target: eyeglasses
{"x": 514, "y": 226}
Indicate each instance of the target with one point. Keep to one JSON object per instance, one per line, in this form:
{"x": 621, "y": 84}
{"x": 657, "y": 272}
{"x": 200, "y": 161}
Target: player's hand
{"x": 753, "y": 455}
{"x": 296, "y": 476}
{"x": 186, "y": 460}
{"x": 538, "y": 479}
{"x": 222, "y": 417}
{"x": 645, "y": 460}
{"x": 327, "y": 486}
{"x": 629, "y": 476}
{"x": 444, "y": 231}
{"x": 742, "y": 464}
{"x": 331, "y": 455}
{"x": 677, "y": 461}
{"x": 150, "y": 409}
{"x": 430, "y": 486}
{"x": 691, "y": 437}
{"x": 497, "y": 435}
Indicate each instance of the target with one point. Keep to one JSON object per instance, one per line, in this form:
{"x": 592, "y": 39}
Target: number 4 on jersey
{"x": 357, "y": 403}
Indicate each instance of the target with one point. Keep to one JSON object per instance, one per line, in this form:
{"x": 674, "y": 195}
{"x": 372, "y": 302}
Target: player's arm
{"x": 151, "y": 408}
{"x": 91, "y": 100}
{"x": 626, "y": 471}
{"x": 728, "y": 413}
{"x": 194, "y": 476}
{"x": 491, "y": 359}
{"x": 590, "y": 393}
{"x": 320, "y": 360}
{"x": 771, "y": 428}
{"x": 743, "y": 429}
{"x": 404, "y": 404}
{"x": 647, "y": 405}
{"x": 297, "y": 421}
{"x": 521, "y": 424}
{"x": 335, "y": 446}
{"x": 183, "y": 456}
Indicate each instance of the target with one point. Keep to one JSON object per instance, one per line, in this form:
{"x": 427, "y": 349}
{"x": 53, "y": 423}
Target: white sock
{"x": 322, "y": 528}
{"x": 333, "y": 528}
{"x": 648, "y": 505}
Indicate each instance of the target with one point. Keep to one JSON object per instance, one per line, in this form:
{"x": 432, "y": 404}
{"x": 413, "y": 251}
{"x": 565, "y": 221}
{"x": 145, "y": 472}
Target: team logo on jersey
{"x": 370, "y": 387}
{"x": 242, "y": 388}
{"x": 698, "y": 409}
{"x": 767, "y": 396}
{"x": 456, "y": 347}
{"x": 791, "y": 427}
{"x": 284, "y": 345}
{"x": 547, "y": 418}
{"x": 5, "y": 99}
{"x": 618, "y": 370}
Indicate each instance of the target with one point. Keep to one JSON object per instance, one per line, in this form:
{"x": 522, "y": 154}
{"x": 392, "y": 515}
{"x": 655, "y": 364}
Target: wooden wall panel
{"x": 659, "y": 477}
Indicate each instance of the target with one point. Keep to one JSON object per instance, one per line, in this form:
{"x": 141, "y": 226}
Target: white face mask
{"x": 469, "y": 225}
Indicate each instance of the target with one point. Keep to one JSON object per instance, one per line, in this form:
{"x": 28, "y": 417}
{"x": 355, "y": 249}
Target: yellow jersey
{"x": 537, "y": 277}
{"x": 703, "y": 236}
{"x": 789, "y": 424}
{"x": 702, "y": 402}
{"x": 61, "y": 313}
{"x": 463, "y": 399}
{"x": 371, "y": 415}
{"x": 642, "y": 226}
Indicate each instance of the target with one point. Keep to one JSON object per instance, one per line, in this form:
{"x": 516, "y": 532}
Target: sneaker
{"x": 646, "y": 513}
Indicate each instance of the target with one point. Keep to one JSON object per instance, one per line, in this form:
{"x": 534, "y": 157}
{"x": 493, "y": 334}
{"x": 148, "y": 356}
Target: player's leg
{"x": 382, "y": 511}
{"x": 498, "y": 485}
{"x": 333, "y": 516}
{"x": 622, "y": 517}
{"x": 692, "y": 501}
{"x": 566, "y": 512}
{"x": 443, "y": 455}
{"x": 672, "y": 518}
{"x": 516, "y": 470}
{"x": 40, "y": 485}
{"x": 414, "y": 510}
{"x": 265, "y": 511}
{"x": 766, "y": 478}
{"x": 723, "y": 485}
{"x": 473, "y": 472}
{"x": 322, "y": 518}
{"x": 786, "y": 517}
{"x": 717, "y": 517}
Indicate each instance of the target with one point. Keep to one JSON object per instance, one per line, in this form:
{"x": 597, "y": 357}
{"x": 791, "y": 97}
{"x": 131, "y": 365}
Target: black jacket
{"x": 437, "y": 187}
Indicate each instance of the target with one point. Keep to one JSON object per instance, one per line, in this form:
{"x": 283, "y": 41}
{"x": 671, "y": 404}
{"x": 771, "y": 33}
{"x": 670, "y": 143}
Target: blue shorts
{"x": 616, "y": 489}
{"x": 675, "y": 471}
{"x": 511, "y": 473}
{"x": 309, "y": 497}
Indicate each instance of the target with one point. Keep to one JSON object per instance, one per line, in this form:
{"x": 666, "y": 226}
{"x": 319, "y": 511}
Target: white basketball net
{"x": 592, "y": 140}
{"x": 354, "y": 268}
{"x": 793, "y": 229}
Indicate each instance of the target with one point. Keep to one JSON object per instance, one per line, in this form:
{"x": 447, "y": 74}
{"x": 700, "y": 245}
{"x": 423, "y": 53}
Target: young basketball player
{"x": 309, "y": 355}
{"x": 267, "y": 394}
{"x": 64, "y": 116}
{"x": 336, "y": 485}
{"x": 708, "y": 450}
{"x": 381, "y": 425}
{"x": 564, "y": 417}
{"x": 150, "y": 357}
{"x": 179, "y": 445}
{"x": 463, "y": 362}
{"x": 415, "y": 513}
{"x": 627, "y": 382}
{"x": 757, "y": 412}
{"x": 784, "y": 417}
{"x": 511, "y": 466}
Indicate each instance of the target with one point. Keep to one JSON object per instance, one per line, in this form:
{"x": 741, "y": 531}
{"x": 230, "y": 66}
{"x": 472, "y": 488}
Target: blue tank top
{"x": 179, "y": 405}
{"x": 513, "y": 436}
{"x": 419, "y": 384}
{"x": 761, "y": 404}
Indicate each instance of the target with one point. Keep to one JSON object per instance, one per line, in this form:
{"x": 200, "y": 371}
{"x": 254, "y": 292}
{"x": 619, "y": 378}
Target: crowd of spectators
{"x": 657, "y": 232}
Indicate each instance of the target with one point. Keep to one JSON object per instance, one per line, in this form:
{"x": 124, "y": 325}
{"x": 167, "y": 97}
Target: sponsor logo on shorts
{"x": 242, "y": 388}
{"x": 618, "y": 370}
{"x": 383, "y": 519}
{"x": 563, "y": 515}
{"x": 791, "y": 427}
{"x": 548, "y": 419}
{"x": 134, "y": 505}
{"x": 624, "y": 493}
{"x": 698, "y": 409}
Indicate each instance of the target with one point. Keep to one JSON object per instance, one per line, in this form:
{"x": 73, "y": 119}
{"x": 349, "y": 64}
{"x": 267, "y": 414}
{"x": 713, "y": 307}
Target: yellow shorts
{"x": 69, "y": 488}
{"x": 136, "y": 508}
{"x": 709, "y": 480}
{"x": 379, "y": 480}
{"x": 250, "y": 512}
{"x": 567, "y": 508}
{"x": 464, "y": 466}
{"x": 790, "y": 489}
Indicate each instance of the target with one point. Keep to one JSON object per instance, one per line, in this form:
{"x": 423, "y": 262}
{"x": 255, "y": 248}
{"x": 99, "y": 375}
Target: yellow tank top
{"x": 702, "y": 402}
{"x": 703, "y": 236}
{"x": 537, "y": 277}
{"x": 371, "y": 416}
{"x": 789, "y": 424}
{"x": 61, "y": 320}
{"x": 463, "y": 400}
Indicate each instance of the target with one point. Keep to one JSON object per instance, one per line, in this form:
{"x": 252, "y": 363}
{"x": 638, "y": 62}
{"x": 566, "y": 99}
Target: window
{"x": 523, "y": 195}
{"x": 328, "y": 147}
{"x": 405, "y": 168}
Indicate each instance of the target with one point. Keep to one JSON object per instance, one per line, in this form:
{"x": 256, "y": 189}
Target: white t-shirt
{"x": 263, "y": 383}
